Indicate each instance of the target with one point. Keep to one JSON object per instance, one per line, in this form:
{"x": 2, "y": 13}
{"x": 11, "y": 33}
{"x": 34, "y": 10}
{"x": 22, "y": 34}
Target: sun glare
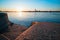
{"x": 20, "y": 14}
{"x": 19, "y": 9}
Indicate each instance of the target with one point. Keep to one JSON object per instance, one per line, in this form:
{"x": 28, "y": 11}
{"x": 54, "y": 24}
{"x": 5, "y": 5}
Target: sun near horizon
{"x": 22, "y": 5}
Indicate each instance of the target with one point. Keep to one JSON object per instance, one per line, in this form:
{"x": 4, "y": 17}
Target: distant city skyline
{"x": 20, "y": 5}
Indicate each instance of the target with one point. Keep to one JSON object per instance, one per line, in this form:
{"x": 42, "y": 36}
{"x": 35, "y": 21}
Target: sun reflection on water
{"x": 21, "y": 15}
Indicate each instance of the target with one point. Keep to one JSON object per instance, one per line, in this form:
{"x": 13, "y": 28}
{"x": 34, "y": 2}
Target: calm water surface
{"x": 26, "y": 18}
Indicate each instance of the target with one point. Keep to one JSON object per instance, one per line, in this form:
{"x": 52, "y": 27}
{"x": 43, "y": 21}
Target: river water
{"x": 26, "y": 18}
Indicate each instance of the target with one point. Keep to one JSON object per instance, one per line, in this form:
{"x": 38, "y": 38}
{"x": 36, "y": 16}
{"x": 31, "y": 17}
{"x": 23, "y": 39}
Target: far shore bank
{"x": 29, "y": 11}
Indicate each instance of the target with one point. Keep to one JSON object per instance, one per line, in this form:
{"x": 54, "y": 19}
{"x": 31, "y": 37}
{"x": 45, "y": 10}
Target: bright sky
{"x": 20, "y": 5}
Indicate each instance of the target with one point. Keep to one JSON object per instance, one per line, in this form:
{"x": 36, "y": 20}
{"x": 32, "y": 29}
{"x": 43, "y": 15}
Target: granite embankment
{"x": 41, "y": 31}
